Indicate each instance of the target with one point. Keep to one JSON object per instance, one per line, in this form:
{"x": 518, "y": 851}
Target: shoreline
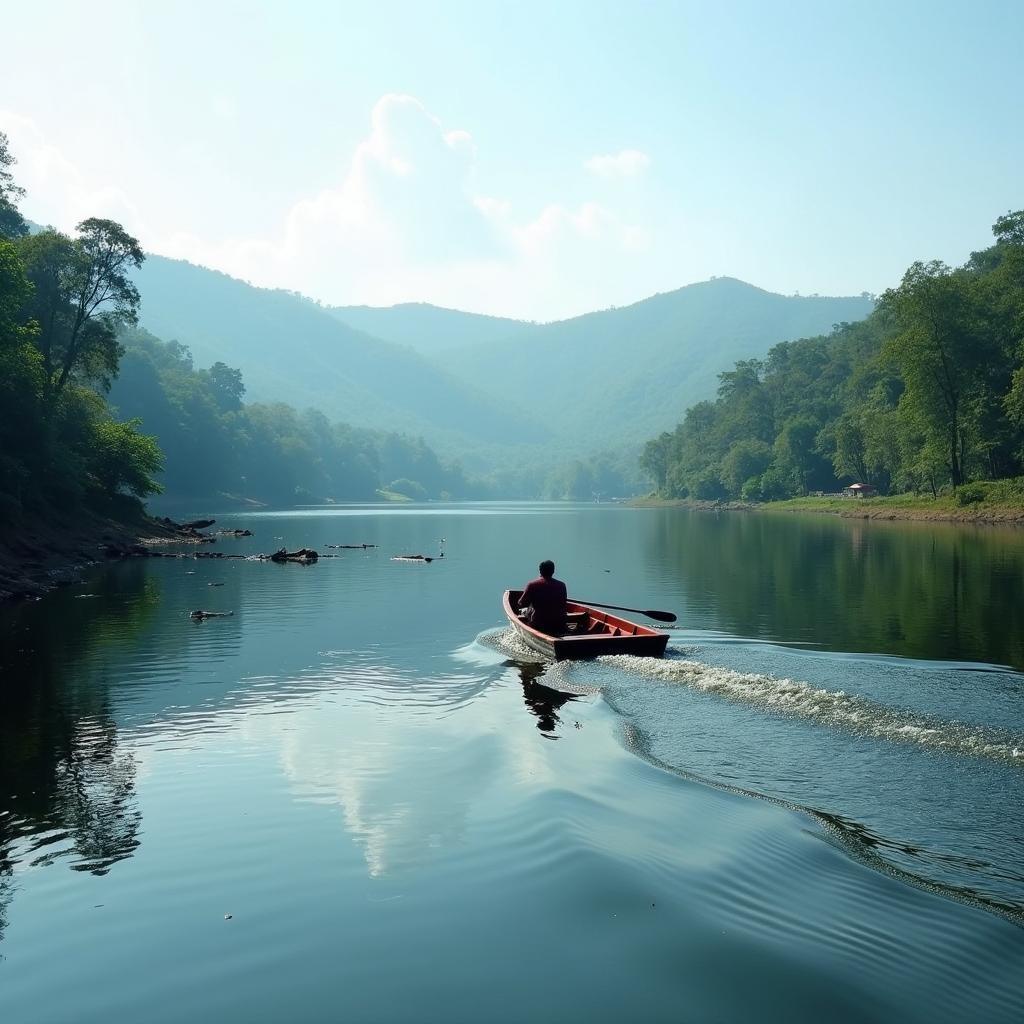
{"x": 45, "y": 556}
{"x": 42, "y": 558}
{"x": 941, "y": 510}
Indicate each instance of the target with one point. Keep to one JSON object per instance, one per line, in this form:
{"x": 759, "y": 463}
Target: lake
{"x": 358, "y": 798}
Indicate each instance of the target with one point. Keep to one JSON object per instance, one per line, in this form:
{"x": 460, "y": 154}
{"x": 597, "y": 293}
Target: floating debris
{"x": 420, "y": 558}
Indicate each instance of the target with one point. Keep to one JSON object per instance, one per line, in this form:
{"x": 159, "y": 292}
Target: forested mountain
{"x": 290, "y": 350}
{"x": 616, "y": 376}
{"x": 430, "y": 330}
{"x": 214, "y": 444}
{"x": 927, "y": 393}
{"x": 604, "y": 380}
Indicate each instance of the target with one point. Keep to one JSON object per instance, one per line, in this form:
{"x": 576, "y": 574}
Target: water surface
{"x": 356, "y": 797}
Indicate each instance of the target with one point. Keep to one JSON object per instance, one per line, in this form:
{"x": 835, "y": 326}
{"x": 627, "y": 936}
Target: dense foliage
{"x": 927, "y": 393}
{"x": 63, "y": 301}
{"x": 97, "y": 412}
{"x": 213, "y": 443}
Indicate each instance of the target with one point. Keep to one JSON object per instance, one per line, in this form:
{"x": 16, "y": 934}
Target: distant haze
{"x": 606, "y": 380}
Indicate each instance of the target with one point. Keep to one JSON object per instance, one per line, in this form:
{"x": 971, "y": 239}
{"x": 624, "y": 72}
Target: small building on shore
{"x": 859, "y": 491}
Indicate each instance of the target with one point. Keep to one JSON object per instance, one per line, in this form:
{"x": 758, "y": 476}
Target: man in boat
{"x": 543, "y": 601}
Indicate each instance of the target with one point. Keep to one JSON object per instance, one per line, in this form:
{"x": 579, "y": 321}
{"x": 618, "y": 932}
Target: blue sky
{"x": 533, "y": 160}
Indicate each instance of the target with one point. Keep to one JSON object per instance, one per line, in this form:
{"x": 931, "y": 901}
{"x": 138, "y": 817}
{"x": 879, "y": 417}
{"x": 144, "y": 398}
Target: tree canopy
{"x": 62, "y": 302}
{"x": 927, "y": 392}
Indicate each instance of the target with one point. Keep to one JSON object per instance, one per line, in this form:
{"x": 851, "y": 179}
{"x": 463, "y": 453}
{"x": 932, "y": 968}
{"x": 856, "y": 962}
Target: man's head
{"x": 547, "y": 568}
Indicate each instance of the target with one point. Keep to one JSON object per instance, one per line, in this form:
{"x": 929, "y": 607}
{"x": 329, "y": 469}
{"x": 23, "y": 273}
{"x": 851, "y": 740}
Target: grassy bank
{"x": 944, "y": 508}
{"x": 989, "y": 501}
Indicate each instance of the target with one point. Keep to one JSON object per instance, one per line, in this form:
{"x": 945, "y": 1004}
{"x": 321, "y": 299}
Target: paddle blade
{"x": 653, "y": 613}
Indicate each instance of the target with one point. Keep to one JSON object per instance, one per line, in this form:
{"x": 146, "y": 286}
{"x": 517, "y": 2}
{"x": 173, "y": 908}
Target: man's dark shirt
{"x": 548, "y": 599}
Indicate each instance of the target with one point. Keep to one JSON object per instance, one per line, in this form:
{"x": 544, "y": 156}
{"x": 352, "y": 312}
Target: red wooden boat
{"x": 591, "y": 633}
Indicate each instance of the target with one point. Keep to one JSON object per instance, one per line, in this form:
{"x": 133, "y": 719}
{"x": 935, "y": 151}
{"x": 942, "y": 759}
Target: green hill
{"x": 602, "y": 381}
{"x": 622, "y": 375}
{"x": 430, "y": 330}
{"x": 290, "y": 350}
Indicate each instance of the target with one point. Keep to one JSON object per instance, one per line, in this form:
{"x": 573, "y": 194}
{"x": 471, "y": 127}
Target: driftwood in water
{"x": 303, "y": 555}
{"x": 421, "y": 558}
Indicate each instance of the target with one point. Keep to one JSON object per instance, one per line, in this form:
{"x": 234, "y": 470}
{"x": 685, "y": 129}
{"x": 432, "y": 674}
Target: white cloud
{"x": 627, "y": 163}
{"x": 404, "y": 223}
{"x": 56, "y": 191}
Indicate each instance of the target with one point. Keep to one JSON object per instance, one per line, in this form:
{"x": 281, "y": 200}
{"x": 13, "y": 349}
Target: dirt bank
{"x": 40, "y": 556}
{"x": 892, "y": 509}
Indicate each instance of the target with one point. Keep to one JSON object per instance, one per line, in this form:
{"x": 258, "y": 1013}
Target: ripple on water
{"x": 846, "y": 727}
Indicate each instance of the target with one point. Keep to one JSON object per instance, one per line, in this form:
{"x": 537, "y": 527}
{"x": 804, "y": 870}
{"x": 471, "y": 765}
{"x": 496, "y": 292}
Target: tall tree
{"x": 82, "y": 297}
{"x": 226, "y": 385}
{"x": 939, "y": 351}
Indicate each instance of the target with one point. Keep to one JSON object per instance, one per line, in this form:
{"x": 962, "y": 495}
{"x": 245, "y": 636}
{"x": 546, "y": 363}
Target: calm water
{"x": 357, "y": 799}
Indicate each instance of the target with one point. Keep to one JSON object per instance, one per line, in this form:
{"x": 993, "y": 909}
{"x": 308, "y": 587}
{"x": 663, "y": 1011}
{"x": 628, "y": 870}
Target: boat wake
{"x": 832, "y": 708}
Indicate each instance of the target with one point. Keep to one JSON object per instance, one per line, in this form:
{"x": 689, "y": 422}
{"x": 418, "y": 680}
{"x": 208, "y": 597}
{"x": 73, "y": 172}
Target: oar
{"x": 651, "y": 613}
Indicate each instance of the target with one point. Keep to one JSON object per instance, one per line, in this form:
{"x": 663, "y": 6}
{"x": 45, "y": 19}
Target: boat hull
{"x": 600, "y": 633}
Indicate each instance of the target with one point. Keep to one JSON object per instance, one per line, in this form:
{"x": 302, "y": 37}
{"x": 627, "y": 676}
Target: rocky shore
{"x": 38, "y": 558}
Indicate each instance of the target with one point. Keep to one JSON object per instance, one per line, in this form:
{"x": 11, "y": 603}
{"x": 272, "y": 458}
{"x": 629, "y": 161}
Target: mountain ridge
{"x": 603, "y": 380}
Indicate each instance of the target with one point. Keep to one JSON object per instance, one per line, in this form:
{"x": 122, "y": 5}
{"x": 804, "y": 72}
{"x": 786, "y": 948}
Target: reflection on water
{"x": 542, "y": 700}
{"x": 67, "y": 789}
{"x": 922, "y": 590}
{"x": 347, "y": 779}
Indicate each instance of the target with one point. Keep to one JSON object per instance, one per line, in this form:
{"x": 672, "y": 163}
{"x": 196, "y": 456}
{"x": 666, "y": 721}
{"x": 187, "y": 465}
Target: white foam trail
{"x": 509, "y": 643}
{"x": 834, "y": 708}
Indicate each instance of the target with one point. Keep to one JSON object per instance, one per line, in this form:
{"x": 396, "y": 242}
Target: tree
{"x": 226, "y": 386}
{"x": 939, "y": 351}
{"x": 1009, "y": 229}
{"x": 655, "y": 458}
{"x": 849, "y": 447}
{"x": 744, "y": 460}
{"x": 123, "y": 460}
{"x": 82, "y": 297}
{"x": 14, "y": 292}
{"x": 12, "y": 224}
